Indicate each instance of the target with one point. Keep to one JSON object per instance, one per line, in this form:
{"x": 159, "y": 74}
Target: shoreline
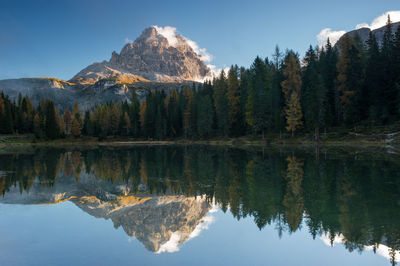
{"x": 23, "y": 140}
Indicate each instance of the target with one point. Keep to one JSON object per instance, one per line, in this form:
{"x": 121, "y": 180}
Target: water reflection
{"x": 163, "y": 195}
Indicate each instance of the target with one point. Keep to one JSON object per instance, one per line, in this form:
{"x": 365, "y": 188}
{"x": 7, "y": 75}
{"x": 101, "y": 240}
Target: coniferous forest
{"x": 345, "y": 85}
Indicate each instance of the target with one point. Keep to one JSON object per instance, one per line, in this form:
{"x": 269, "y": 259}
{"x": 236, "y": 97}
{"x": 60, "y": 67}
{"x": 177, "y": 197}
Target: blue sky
{"x": 59, "y": 38}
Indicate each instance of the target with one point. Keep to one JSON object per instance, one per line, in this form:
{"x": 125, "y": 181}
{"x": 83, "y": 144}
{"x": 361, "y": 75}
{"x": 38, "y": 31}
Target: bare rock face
{"x": 150, "y": 57}
{"x": 363, "y": 34}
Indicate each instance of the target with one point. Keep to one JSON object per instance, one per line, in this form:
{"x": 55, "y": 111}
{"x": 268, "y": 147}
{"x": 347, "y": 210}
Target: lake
{"x": 199, "y": 205}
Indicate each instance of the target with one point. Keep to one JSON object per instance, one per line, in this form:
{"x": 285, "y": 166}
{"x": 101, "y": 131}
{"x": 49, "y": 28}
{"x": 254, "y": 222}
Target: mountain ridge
{"x": 150, "y": 57}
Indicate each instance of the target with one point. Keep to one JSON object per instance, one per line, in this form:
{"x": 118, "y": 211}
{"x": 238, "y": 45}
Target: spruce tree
{"x": 221, "y": 105}
{"x": 51, "y": 125}
{"x": 233, "y": 95}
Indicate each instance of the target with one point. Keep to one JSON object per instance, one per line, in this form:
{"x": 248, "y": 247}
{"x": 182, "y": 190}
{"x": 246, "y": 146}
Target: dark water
{"x": 198, "y": 205}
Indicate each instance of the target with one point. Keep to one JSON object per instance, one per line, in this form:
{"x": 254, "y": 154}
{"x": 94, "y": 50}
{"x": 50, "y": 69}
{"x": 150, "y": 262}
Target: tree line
{"x": 333, "y": 86}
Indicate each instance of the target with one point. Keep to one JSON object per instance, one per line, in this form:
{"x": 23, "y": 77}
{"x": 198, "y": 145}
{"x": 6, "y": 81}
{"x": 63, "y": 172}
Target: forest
{"x": 350, "y": 84}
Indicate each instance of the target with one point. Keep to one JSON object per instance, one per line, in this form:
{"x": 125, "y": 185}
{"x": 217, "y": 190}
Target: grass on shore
{"x": 378, "y": 137}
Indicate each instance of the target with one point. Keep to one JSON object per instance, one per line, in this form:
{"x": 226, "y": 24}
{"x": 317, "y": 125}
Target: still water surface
{"x": 198, "y": 205}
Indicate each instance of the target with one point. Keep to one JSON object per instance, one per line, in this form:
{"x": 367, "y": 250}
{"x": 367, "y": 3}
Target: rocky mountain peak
{"x": 155, "y": 55}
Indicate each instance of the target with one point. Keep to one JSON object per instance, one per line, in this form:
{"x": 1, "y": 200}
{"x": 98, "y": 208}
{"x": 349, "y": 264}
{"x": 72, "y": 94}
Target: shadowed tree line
{"x": 357, "y": 198}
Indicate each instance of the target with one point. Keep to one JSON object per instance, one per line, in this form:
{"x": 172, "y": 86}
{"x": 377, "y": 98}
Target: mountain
{"x": 363, "y": 34}
{"x": 151, "y": 62}
{"x": 149, "y": 57}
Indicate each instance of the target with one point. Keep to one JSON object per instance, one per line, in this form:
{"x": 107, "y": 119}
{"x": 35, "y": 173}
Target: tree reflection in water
{"x": 340, "y": 197}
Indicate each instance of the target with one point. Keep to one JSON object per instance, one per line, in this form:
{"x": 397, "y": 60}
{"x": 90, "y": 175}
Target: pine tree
{"x": 51, "y": 125}
{"x": 328, "y": 70}
{"x": 221, "y": 104}
{"x": 174, "y": 116}
{"x": 390, "y": 95}
{"x": 134, "y": 109}
{"x": 349, "y": 80}
{"x": 371, "y": 96}
{"x": 205, "y": 112}
{"x": 188, "y": 97}
{"x": 87, "y": 128}
{"x": 233, "y": 95}
{"x": 313, "y": 93}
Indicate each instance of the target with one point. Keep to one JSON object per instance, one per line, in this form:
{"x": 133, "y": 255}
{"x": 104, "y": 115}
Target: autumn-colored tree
{"x": 76, "y": 128}
{"x": 126, "y": 123}
{"x": 142, "y": 115}
{"x": 292, "y": 75}
{"x": 67, "y": 122}
{"x": 293, "y": 199}
{"x": 291, "y": 87}
{"x": 293, "y": 113}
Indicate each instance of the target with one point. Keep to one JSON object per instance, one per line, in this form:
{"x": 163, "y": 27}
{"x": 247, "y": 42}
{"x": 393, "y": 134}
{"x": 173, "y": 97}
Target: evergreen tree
{"x": 233, "y": 95}
{"x": 349, "y": 80}
{"x": 51, "y": 124}
{"x": 87, "y": 128}
{"x": 221, "y": 104}
{"x": 205, "y": 119}
{"x": 259, "y": 106}
{"x": 371, "y": 96}
{"x": 174, "y": 116}
{"x": 134, "y": 109}
{"x": 328, "y": 70}
{"x": 313, "y": 93}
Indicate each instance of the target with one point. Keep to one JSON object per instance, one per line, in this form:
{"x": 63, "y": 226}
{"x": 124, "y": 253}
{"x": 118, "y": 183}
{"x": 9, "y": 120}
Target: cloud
{"x": 170, "y": 33}
{"x": 333, "y": 36}
{"x": 377, "y": 23}
{"x": 381, "y": 20}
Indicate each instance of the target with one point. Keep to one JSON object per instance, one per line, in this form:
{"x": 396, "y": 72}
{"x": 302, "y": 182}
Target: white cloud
{"x": 170, "y": 33}
{"x": 381, "y": 20}
{"x": 377, "y": 23}
{"x": 333, "y": 36}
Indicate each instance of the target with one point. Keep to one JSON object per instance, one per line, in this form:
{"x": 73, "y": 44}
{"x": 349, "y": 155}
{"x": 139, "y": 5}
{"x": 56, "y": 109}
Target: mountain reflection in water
{"x": 163, "y": 196}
